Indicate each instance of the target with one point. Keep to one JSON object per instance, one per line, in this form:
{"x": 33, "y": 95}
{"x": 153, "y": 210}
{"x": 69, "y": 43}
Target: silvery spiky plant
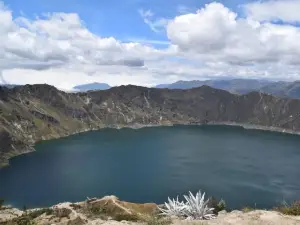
{"x": 173, "y": 208}
{"x": 195, "y": 207}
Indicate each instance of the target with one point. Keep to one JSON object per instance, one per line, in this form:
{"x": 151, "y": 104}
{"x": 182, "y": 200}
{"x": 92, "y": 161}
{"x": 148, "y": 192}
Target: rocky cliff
{"x": 32, "y": 113}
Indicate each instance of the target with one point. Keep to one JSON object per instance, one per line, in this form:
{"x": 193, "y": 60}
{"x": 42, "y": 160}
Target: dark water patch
{"x": 245, "y": 167}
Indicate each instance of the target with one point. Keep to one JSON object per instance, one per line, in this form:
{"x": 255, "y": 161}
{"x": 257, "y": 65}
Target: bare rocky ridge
{"x": 33, "y": 113}
{"x": 111, "y": 211}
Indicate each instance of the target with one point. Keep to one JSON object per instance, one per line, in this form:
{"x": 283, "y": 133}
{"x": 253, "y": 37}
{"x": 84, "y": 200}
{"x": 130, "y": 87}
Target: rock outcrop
{"x": 111, "y": 211}
{"x": 91, "y": 211}
{"x": 32, "y": 113}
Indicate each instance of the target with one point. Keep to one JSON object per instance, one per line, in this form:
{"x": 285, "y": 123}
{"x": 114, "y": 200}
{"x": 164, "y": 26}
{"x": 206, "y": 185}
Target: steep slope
{"x": 32, "y": 113}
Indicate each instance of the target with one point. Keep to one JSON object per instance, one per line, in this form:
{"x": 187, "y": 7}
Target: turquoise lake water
{"x": 244, "y": 167}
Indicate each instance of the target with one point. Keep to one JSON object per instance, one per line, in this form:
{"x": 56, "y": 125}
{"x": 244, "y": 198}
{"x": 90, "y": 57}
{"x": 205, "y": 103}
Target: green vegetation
{"x": 96, "y": 212}
{"x": 155, "y": 218}
{"x": 104, "y": 213}
{"x": 28, "y": 217}
{"x": 158, "y": 220}
{"x": 289, "y": 209}
{"x": 23, "y": 220}
{"x": 220, "y": 206}
{"x": 217, "y": 205}
{"x": 122, "y": 212}
{"x": 39, "y": 123}
{"x": 37, "y": 213}
{"x": 247, "y": 209}
{"x": 127, "y": 217}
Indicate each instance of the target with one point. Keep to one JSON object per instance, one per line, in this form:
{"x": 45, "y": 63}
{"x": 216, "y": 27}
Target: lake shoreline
{"x": 31, "y": 148}
{"x": 231, "y": 160}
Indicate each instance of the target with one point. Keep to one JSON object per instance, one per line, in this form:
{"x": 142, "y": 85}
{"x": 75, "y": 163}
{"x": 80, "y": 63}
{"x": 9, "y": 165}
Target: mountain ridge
{"x": 242, "y": 86}
{"x": 32, "y": 113}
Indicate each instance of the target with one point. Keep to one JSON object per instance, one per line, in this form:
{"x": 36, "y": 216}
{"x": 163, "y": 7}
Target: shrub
{"x": 95, "y": 211}
{"x": 221, "y": 205}
{"x": 156, "y": 220}
{"x": 36, "y": 213}
{"x": 174, "y": 208}
{"x": 292, "y": 209}
{"x": 28, "y": 217}
{"x": 127, "y": 217}
{"x": 195, "y": 207}
{"x": 247, "y": 209}
{"x": 23, "y": 220}
{"x": 217, "y": 205}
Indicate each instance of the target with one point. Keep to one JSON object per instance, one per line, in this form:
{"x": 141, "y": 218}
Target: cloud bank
{"x": 59, "y": 49}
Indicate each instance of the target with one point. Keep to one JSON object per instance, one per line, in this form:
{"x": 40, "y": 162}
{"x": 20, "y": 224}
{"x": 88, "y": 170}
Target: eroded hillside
{"x": 38, "y": 112}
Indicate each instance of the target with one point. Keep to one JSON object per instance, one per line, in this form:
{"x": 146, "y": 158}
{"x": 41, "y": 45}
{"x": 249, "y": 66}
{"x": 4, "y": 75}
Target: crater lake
{"x": 244, "y": 167}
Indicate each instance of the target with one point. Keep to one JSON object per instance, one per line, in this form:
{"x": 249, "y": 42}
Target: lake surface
{"x": 244, "y": 167}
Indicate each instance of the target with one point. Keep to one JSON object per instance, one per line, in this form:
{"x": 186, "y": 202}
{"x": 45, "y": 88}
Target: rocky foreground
{"x": 111, "y": 211}
{"x": 32, "y": 113}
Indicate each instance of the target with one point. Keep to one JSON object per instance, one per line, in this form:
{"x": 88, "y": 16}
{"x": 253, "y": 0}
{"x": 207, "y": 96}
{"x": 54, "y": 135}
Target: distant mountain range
{"x": 242, "y": 86}
{"x": 236, "y": 86}
{"x": 283, "y": 89}
{"x": 9, "y": 85}
{"x": 80, "y": 88}
{"x": 92, "y": 87}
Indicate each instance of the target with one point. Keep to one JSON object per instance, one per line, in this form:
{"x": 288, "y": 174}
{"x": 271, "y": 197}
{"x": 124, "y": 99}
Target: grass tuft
{"x": 158, "y": 220}
{"x": 289, "y": 209}
{"x": 247, "y": 209}
{"x": 127, "y": 217}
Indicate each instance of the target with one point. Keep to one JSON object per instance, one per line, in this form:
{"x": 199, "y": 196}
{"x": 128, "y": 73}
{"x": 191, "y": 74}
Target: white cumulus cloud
{"x": 274, "y": 10}
{"x": 59, "y": 49}
{"x": 217, "y": 33}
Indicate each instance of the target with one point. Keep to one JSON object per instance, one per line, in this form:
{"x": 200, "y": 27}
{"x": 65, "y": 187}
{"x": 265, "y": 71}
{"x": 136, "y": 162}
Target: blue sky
{"x": 118, "y": 18}
{"x": 147, "y": 42}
